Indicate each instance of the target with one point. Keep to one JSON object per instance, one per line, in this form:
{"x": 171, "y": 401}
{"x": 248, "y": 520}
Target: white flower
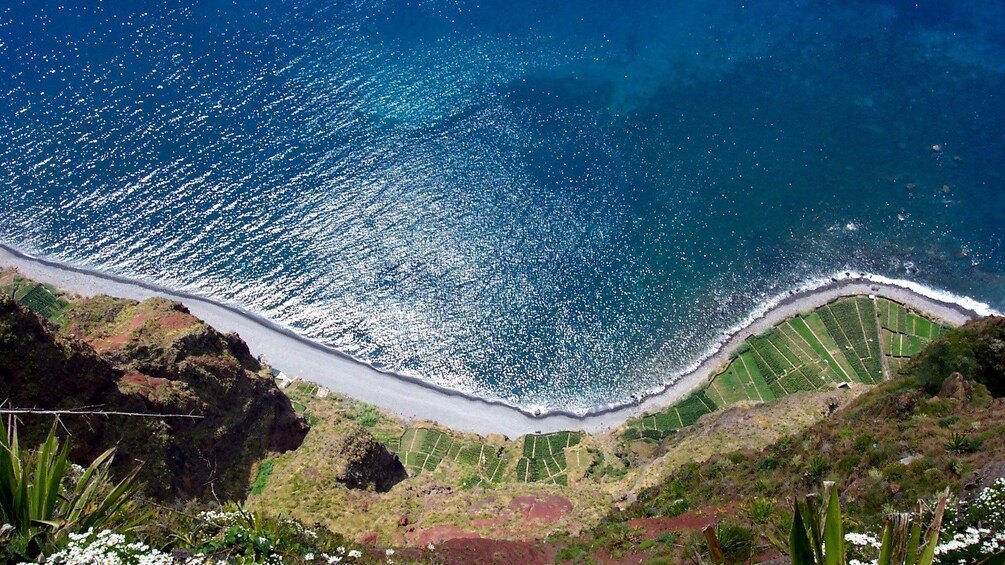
{"x": 355, "y": 554}
{"x": 389, "y": 552}
{"x": 309, "y": 557}
{"x": 431, "y": 547}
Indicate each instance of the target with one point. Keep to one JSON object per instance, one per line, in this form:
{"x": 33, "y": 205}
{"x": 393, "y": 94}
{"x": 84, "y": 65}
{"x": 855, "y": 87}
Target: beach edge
{"x": 413, "y": 398}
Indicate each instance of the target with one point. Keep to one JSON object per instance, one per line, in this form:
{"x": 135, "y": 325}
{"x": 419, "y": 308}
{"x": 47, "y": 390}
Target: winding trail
{"x": 414, "y": 398}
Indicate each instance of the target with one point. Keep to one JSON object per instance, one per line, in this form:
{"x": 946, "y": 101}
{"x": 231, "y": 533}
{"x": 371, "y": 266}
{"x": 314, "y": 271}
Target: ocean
{"x": 552, "y": 204}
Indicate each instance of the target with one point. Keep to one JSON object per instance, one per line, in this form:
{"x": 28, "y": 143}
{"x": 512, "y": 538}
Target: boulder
{"x": 957, "y": 387}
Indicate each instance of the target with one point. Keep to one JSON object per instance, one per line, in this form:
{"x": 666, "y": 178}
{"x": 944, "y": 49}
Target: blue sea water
{"x": 556, "y": 204}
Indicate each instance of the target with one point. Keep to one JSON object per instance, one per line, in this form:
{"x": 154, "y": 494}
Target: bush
{"x": 735, "y": 541}
{"x": 761, "y": 510}
{"x": 894, "y": 471}
{"x": 959, "y": 444}
{"x": 976, "y": 350}
{"x": 44, "y": 498}
{"x": 848, "y": 463}
{"x": 934, "y": 479}
{"x": 367, "y": 416}
{"x": 818, "y": 466}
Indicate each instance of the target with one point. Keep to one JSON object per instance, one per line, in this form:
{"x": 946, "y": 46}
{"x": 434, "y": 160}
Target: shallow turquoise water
{"x": 552, "y": 203}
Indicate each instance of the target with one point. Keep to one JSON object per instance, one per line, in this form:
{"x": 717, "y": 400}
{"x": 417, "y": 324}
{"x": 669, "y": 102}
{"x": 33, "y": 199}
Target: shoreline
{"x": 413, "y": 398}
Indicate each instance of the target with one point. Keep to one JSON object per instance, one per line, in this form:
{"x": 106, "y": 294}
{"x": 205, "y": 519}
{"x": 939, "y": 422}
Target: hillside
{"x": 114, "y": 355}
{"x": 818, "y": 398}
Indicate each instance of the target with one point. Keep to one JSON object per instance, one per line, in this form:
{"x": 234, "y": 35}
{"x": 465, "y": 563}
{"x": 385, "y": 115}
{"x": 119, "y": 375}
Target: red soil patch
{"x": 105, "y": 344}
{"x": 693, "y": 521}
{"x": 548, "y": 510}
{"x": 142, "y": 384}
{"x": 477, "y": 551}
{"x": 438, "y": 534}
{"x": 177, "y": 321}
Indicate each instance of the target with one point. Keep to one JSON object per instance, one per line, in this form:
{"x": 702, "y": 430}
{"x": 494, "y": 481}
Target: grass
{"x": 262, "y": 477}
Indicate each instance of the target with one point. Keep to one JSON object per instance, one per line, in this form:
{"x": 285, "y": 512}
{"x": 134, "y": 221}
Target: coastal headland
{"x": 414, "y": 398}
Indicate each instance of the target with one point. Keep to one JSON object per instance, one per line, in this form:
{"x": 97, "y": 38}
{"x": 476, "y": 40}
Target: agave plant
{"x": 41, "y": 502}
{"x": 816, "y": 537}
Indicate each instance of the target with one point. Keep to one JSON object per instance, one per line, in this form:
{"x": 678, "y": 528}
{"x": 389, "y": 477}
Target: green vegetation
{"x": 44, "y": 499}
{"x": 42, "y": 299}
{"x": 977, "y": 351}
{"x": 817, "y": 533}
{"x": 262, "y": 477}
{"x": 837, "y": 343}
{"x": 904, "y": 333}
{"x": 545, "y": 457}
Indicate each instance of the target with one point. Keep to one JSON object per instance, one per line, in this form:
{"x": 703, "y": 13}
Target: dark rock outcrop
{"x": 958, "y": 388}
{"x": 357, "y": 460}
{"x": 151, "y": 357}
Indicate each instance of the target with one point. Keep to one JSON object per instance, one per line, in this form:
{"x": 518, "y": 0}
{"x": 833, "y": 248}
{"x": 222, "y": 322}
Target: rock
{"x": 957, "y": 387}
{"x": 356, "y": 459}
{"x": 151, "y": 357}
{"x": 992, "y": 472}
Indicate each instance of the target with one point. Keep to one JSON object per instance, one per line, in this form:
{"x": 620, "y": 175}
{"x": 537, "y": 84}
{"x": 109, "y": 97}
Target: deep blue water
{"x": 553, "y": 203}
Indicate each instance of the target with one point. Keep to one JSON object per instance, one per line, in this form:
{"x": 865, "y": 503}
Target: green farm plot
{"x": 422, "y": 449}
{"x": 42, "y": 299}
{"x": 836, "y": 343}
{"x": 852, "y": 324}
{"x": 682, "y": 414}
{"x": 729, "y": 388}
{"x": 745, "y": 366}
{"x": 904, "y": 333}
{"x": 544, "y": 457}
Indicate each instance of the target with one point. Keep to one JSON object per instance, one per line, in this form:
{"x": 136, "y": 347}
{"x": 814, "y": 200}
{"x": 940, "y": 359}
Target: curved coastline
{"x": 412, "y": 397}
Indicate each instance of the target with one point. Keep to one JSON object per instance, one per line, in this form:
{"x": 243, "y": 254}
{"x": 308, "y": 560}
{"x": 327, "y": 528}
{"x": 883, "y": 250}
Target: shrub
{"x": 735, "y": 542}
{"x": 761, "y": 510}
{"x": 848, "y": 463}
{"x": 44, "y": 498}
{"x": 894, "y": 471}
{"x": 864, "y": 442}
{"x": 818, "y": 466}
{"x": 960, "y": 444}
{"x": 976, "y": 350}
{"x": 367, "y": 416}
{"x": 934, "y": 478}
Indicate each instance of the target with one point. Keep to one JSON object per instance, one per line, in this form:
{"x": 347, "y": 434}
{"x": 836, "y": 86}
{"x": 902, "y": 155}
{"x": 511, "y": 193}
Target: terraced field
{"x": 841, "y": 342}
{"x": 43, "y": 299}
{"x": 545, "y": 457}
{"x": 904, "y": 333}
{"x": 424, "y": 449}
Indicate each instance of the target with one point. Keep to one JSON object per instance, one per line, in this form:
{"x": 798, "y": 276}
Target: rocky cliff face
{"x": 357, "y": 460}
{"x": 151, "y": 357}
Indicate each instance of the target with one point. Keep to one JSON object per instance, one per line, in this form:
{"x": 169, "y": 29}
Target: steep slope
{"x": 153, "y": 358}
